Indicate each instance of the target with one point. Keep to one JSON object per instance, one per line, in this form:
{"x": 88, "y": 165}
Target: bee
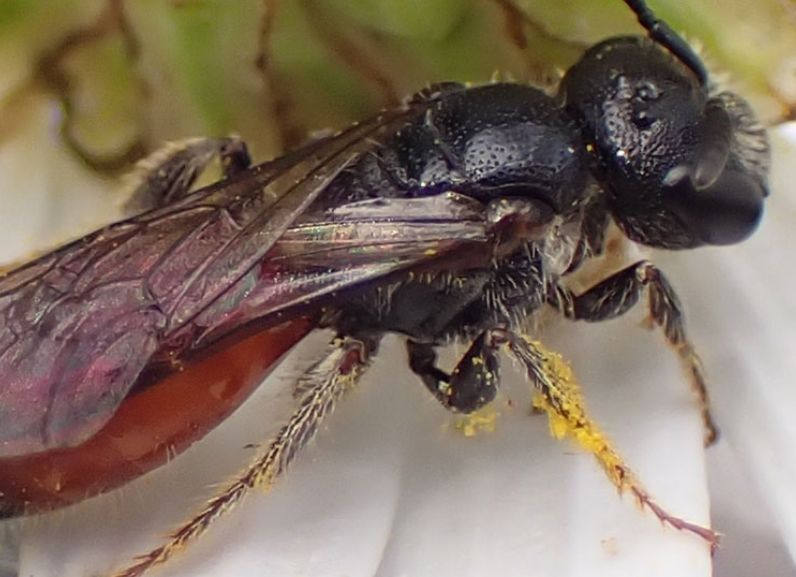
{"x": 456, "y": 216}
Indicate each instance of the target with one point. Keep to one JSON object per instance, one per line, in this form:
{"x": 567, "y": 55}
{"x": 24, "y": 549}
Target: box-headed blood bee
{"x": 454, "y": 217}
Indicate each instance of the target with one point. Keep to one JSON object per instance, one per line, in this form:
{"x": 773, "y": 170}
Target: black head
{"x": 682, "y": 166}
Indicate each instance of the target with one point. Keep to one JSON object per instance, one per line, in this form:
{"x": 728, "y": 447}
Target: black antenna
{"x": 662, "y": 33}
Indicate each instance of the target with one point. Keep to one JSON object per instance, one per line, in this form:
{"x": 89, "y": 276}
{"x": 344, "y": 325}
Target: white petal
{"x": 389, "y": 491}
{"x": 745, "y": 297}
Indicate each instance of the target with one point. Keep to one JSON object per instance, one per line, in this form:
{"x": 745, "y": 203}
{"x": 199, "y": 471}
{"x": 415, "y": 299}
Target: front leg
{"x": 618, "y": 293}
{"x": 472, "y": 384}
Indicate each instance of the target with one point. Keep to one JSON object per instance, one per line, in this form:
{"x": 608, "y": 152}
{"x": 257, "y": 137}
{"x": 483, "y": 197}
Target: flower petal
{"x": 745, "y": 296}
{"x": 390, "y": 489}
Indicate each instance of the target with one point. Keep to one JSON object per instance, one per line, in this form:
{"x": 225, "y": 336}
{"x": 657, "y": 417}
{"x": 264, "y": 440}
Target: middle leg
{"x": 560, "y": 396}
{"x": 472, "y": 384}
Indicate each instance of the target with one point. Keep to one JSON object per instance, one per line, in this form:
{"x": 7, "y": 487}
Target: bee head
{"x": 682, "y": 166}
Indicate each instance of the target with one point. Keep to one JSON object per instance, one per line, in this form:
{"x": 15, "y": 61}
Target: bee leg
{"x": 319, "y": 389}
{"x": 615, "y": 295}
{"x": 169, "y": 173}
{"x": 472, "y": 384}
{"x": 561, "y": 398}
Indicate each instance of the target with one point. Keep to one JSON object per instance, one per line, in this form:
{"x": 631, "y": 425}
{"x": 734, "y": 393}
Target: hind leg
{"x": 317, "y": 393}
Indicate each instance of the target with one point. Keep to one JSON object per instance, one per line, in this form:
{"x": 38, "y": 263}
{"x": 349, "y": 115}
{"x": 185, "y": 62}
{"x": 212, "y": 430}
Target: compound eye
{"x": 725, "y": 212}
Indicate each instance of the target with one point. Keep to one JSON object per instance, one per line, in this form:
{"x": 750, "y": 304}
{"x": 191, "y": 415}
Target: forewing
{"x": 325, "y": 258}
{"x": 79, "y": 325}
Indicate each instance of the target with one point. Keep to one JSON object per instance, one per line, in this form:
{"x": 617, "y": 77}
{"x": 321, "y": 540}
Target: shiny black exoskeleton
{"x": 494, "y": 141}
{"x": 635, "y": 134}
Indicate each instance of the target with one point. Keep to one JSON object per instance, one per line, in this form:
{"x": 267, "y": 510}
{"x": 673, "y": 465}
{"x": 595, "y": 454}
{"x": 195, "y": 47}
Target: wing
{"x": 78, "y": 326}
{"x": 328, "y": 255}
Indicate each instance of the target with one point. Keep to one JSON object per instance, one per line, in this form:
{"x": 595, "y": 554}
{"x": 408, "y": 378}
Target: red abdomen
{"x": 149, "y": 427}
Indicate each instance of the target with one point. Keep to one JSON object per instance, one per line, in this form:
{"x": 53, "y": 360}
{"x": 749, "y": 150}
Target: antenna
{"x": 663, "y": 34}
